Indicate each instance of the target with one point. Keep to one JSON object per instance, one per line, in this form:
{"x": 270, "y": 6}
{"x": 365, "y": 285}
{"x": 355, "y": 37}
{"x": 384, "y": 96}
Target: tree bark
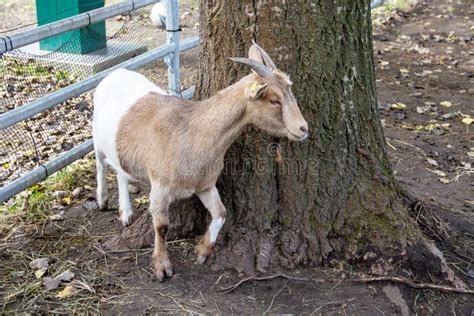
{"x": 334, "y": 195}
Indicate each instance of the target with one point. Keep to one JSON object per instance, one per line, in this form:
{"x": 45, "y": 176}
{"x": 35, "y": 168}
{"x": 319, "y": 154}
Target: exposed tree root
{"x": 415, "y": 285}
{"x": 410, "y": 283}
{"x": 262, "y": 278}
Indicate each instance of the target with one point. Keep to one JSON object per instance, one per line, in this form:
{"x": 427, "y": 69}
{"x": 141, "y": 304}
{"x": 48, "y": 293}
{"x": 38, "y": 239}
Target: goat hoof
{"x": 162, "y": 268}
{"x": 103, "y": 204}
{"x": 124, "y": 217}
{"x": 201, "y": 259}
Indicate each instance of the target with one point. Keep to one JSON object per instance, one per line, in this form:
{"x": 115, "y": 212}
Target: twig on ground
{"x": 414, "y": 285}
{"x": 128, "y": 250}
{"x": 218, "y": 309}
{"x": 381, "y": 312}
{"x": 333, "y": 303}
{"x": 262, "y": 278}
{"x": 410, "y": 145}
{"x": 274, "y": 296}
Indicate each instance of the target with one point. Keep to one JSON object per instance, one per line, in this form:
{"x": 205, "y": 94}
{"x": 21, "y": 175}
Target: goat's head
{"x": 270, "y": 102}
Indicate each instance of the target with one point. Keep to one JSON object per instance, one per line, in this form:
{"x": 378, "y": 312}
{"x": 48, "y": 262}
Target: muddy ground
{"x": 424, "y": 57}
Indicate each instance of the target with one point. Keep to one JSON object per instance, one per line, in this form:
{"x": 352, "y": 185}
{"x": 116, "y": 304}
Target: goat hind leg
{"x": 212, "y": 201}
{"x": 160, "y": 199}
{"x": 102, "y": 198}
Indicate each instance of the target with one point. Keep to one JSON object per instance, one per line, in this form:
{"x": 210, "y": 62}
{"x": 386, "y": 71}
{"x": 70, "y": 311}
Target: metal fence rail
{"x": 377, "y": 3}
{"x": 170, "y": 52}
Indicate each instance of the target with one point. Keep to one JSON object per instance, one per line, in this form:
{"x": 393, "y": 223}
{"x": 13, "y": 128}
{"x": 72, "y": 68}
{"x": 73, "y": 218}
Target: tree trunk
{"x": 332, "y": 196}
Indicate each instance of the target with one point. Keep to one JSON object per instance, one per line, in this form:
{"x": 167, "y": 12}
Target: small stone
{"x": 40, "y": 263}
{"x": 59, "y": 194}
{"x": 76, "y": 192}
{"x": 91, "y": 205}
{"x": 133, "y": 189}
{"x": 17, "y": 275}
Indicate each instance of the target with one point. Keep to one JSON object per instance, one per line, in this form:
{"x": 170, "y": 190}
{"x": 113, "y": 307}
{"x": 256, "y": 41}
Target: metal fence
{"x": 46, "y": 106}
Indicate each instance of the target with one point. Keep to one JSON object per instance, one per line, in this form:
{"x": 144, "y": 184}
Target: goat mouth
{"x": 297, "y": 137}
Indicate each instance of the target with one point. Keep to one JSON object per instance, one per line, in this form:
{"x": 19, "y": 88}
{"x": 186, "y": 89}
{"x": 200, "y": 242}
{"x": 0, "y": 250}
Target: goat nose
{"x": 304, "y": 128}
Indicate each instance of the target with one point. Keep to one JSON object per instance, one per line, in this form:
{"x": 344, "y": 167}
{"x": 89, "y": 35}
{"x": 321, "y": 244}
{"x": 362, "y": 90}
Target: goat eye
{"x": 275, "y": 102}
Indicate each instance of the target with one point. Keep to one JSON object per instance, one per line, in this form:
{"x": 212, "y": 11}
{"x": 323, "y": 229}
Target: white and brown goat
{"x": 178, "y": 146}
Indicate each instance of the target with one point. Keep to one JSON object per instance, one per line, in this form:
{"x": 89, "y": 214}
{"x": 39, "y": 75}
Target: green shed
{"x": 80, "y": 41}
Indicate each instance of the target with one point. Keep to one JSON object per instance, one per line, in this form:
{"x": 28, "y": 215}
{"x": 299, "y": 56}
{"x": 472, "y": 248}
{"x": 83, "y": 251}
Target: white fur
{"x": 214, "y": 228}
{"x": 158, "y": 14}
{"x": 113, "y": 97}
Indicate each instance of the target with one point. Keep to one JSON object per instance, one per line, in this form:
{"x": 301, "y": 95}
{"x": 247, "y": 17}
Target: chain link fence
{"x": 27, "y": 76}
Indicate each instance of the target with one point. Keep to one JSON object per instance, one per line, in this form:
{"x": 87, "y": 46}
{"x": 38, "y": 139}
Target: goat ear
{"x": 254, "y": 54}
{"x": 257, "y": 90}
{"x": 258, "y": 53}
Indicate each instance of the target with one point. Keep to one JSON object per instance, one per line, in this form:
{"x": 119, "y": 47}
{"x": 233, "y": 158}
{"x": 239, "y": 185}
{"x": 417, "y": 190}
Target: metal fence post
{"x": 172, "y": 35}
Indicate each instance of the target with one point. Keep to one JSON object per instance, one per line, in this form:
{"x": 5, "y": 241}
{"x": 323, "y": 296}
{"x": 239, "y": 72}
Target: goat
{"x": 158, "y": 15}
{"x": 178, "y": 146}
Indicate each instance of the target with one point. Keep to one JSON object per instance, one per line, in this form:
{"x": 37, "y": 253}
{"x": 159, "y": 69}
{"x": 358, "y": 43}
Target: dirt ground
{"x": 424, "y": 57}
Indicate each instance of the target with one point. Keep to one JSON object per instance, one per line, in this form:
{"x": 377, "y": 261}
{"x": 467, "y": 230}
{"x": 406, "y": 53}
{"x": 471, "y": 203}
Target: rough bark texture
{"x": 334, "y": 195}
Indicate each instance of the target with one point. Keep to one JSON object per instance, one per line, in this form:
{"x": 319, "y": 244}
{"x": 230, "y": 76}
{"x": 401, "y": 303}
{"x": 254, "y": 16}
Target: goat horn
{"x": 260, "y": 69}
{"x": 266, "y": 58}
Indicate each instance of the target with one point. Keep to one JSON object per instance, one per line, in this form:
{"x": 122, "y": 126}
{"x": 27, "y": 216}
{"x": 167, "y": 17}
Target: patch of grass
{"x": 38, "y": 201}
{"x": 194, "y": 5}
{"x": 398, "y": 4}
{"x": 30, "y": 68}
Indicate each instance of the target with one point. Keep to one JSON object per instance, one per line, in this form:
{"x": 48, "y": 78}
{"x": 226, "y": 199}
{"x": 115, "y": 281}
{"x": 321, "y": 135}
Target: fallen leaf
{"x": 446, "y": 104}
{"x": 450, "y": 115}
{"x": 437, "y": 172}
{"x": 92, "y": 205}
{"x": 40, "y": 263}
{"x": 67, "y": 292}
{"x": 39, "y": 273}
{"x": 404, "y": 71}
{"x": 467, "y": 120}
{"x": 440, "y": 173}
{"x": 424, "y": 73}
{"x": 398, "y": 106}
{"x": 65, "y": 276}
{"x": 142, "y": 200}
{"x": 422, "y": 109}
{"x": 51, "y": 283}
{"x": 17, "y": 274}
{"x": 57, "y": 217}
{"x": 443, "y": 180}
{"x": 432, "y": 162}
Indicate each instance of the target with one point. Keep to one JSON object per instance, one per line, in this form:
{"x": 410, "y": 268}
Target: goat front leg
{"x": 160, "y": 198}
{"x": 212, "y": 201}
